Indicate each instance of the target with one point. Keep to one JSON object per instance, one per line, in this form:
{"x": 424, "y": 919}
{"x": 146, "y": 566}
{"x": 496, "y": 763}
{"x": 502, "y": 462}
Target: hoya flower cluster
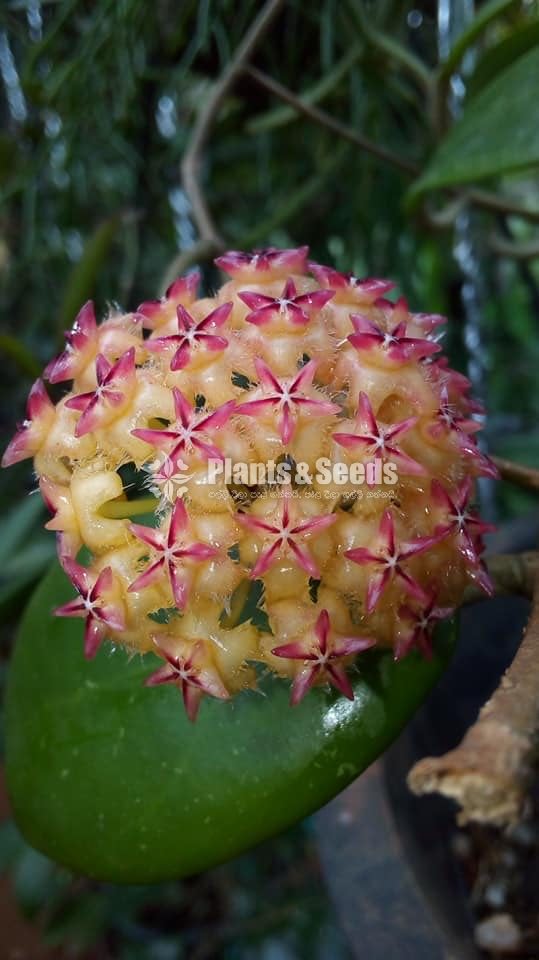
{"x": 288, "y": 363}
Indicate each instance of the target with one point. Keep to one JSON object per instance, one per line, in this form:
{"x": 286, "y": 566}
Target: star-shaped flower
{"x": 393, "y": 344}
{"x": 96, "y": 603}
{"x": 429, "y": 322}
{"x": 416, "y": 626}
{"x": 115, "y": 386}
{"x": 86, "y": 340}
{"x": 354, "y": 289}
{"x": 287, "y": 398}
{"x": 448, "y": 418}
{"x": 189, "y": 668}
{"x": 465, "y": 525}
{"x": 297, "y": 308}
{"x": 456, "y": 383}
{"x": 322, "y": 650}
{"x": 283, "y": 536}
{"x": 266, "y": 263}
{"x": 481, "y": 464}
{"x": 191, "y": 432}
{"x": 184, "y": 290}
{"x": 33, "y": 431}
{"x": 388, "y": 558}
{"x": 378, "y": 441}
{"x": 80, "y": 343}
{"x": 171, "y": 550}
{"x": 193, "y": 335}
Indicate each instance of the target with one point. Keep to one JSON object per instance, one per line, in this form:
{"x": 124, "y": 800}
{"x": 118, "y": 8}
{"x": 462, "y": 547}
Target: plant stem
{"x": 193, "y": 157}
{"x": 489, "y": 773}
{"x": 516, "y": 250}
{"x": 123, "y": 509}
{"x": 480, "y": 198}
{"x": 200, "y": 251}
{"x": 516, "y": 473}
{"x": 330, "y": 123}
{"x": 500, "y": 204}
{"x": 511, "y": 573}
{"x": 282, "y": 115}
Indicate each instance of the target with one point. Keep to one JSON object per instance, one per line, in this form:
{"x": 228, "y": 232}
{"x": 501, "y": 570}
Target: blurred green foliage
{"x": 270, "y": 904}
{"x": 103, "y": 97}
{"x": 98, "y": 102}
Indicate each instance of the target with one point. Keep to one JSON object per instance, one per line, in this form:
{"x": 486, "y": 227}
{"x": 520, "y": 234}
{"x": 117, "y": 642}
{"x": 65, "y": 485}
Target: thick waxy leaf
{"x": 111, "y": 779}
{"x": 498, "y": 132}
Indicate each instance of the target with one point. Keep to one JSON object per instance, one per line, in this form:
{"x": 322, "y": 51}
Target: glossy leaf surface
{"x": 498, "y": 132}
{"x": 110, "y": 778}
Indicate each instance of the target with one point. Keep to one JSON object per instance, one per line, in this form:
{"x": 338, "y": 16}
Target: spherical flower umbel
{"x": 298, "y": 439}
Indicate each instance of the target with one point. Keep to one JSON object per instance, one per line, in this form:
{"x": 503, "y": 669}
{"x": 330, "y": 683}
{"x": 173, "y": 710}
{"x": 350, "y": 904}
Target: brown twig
{"x": 516, "y": 473}
{"x": 200, "y": 251}
{"x": 499, "y": 204}
{"x": 511, "y": 573}
{"x": 444, "y": 217}
{"x": 330, "y": 123}
{"x": 481, "y": 198}
{"x": 210, "y": 241}
{"x": 489, "y": 773}
{"x": 517, "y": 250}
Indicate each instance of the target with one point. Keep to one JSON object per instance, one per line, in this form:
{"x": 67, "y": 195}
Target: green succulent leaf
{"x": 497, "y": 134}
{"x": 109, "y": 777}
